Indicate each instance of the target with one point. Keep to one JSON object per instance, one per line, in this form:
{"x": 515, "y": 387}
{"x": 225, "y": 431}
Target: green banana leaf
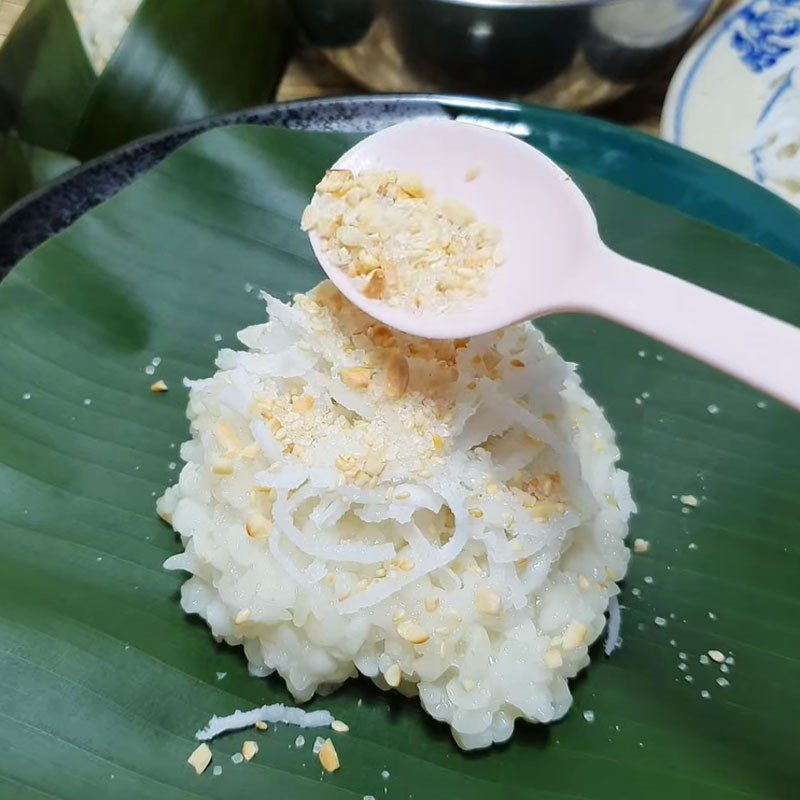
{"x": 25, "y": 167}
{"x": 45, "y": 76}
{"x": 179, "y": 61}
{"x": 45, "y": 83}
{"x": 105, "y": 680}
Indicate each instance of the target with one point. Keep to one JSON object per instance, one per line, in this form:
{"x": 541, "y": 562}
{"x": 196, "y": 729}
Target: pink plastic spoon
{"x": 556, "y": 261}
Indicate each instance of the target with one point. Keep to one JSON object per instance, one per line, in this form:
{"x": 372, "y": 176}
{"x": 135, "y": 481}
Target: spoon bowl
{"x": 544, "y": 220}
{"x": 555, "y": 260}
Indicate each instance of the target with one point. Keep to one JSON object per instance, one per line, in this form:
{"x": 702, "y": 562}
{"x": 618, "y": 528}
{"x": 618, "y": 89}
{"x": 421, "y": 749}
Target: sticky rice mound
{"x": 444, "y": 517}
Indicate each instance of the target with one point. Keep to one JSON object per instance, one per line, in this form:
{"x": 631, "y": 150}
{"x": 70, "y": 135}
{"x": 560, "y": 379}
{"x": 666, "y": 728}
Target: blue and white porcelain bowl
{"x": 735, "y": 97}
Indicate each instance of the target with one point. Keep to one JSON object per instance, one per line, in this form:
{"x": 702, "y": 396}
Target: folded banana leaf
{"x": 178, "y": 61}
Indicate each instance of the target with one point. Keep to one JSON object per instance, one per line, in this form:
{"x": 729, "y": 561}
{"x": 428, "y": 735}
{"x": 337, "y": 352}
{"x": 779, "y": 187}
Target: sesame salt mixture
{"x": 399, "y": 243}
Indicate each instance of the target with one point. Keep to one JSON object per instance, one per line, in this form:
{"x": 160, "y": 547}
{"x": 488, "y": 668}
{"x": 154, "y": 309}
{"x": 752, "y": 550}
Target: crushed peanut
{"x": 412, "y": 632}
{"x": 258, "y": 526}
{"x": 397, "y": 376}
{"x": 392, "y": 675}
{"x": 398, "y": 242}
{"x": 431, "y": 603}
{"x": 249, "y": 749}
{"x": 328, "y": 756}
{"x": 222, "y": 466}
{"x": 356, "y": 377}
{"x": 574, "y": 635}
{"x": 200, "y": 758}
{"x": 242, "y": 616}
{"x": 227, "y": 437}
{"x": 552, "y": 658}
{"x": 303, "y": 404}
{"x": 159, "y": 386}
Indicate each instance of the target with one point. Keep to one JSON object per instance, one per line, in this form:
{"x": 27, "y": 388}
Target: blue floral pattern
{"x": 766, "y": 30}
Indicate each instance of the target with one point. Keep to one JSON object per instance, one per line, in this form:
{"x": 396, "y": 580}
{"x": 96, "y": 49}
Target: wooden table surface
{"x": 310, "y": 75}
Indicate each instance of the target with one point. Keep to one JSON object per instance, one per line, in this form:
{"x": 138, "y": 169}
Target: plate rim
{"x": 379, "y": 104}
{"x": 681, "y": 82}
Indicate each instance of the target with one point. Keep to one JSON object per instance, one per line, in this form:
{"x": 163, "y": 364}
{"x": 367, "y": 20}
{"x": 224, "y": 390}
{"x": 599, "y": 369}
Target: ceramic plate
{"x": 736, "y": 80}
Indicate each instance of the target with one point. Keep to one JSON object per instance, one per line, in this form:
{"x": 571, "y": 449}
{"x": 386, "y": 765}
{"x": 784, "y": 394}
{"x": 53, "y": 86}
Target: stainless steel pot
{"x": 565, "y": 53}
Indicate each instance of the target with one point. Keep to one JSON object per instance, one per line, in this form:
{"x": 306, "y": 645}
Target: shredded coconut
{"x": 277, "y": 712}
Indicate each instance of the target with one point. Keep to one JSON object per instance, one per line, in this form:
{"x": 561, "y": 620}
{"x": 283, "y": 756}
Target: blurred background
{"x": 80, "y": 77}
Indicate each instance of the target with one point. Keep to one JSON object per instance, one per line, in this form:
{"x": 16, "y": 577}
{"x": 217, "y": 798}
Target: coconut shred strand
{"x": 288, "y": 715}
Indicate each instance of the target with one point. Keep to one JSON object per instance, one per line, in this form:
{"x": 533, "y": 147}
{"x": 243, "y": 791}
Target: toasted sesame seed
{"x": 641, "y": 545}
{"x": 200, "y": 758}
{"x": 583, "y": 582}
{"x": 262, "y": 726}
{"x": 476, "y": 512}
{"x": 689, "y": 500}
{"x": 159, "y": 386}
{"x": 472, "y": 173}
{"x": 469, "y": 685}
{"x": 339, "y": 726}
{"x": 328, "y": 756}
{"x": 716, "y": 655}
{"x": 515, "y": 362}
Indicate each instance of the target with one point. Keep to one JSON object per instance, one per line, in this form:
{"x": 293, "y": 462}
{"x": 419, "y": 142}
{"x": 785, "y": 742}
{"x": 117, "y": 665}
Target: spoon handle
{"x": 745, "y": 343}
